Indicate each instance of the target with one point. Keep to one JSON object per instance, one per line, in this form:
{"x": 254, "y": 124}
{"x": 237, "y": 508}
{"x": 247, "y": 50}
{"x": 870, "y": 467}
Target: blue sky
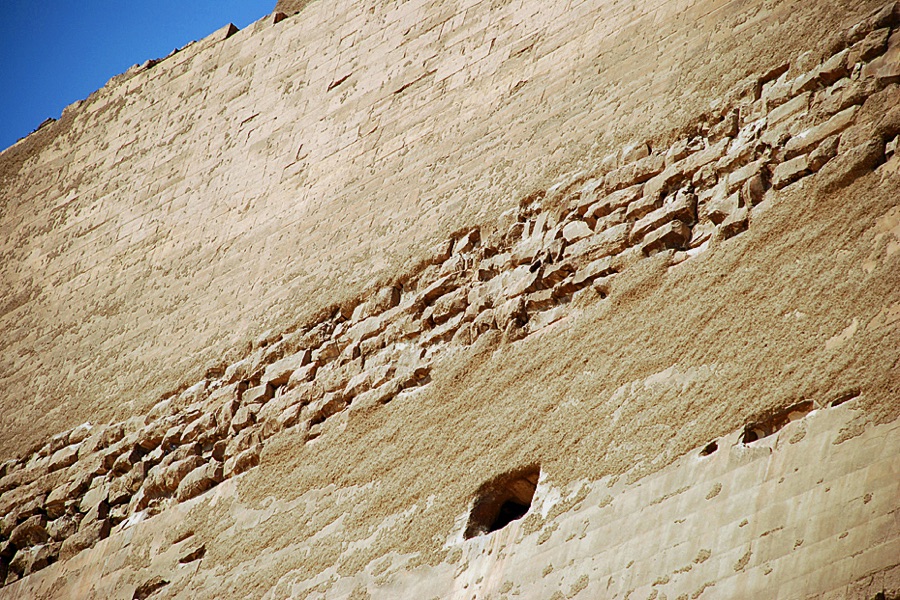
{"x": 55, "y": 52}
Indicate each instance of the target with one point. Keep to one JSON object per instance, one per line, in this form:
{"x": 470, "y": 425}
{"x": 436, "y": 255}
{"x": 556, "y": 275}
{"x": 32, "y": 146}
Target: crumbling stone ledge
{"x": 830, "y": 124}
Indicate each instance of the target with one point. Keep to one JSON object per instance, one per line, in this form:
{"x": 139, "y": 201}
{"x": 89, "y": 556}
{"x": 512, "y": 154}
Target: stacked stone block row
{"x": 839, "y": 119}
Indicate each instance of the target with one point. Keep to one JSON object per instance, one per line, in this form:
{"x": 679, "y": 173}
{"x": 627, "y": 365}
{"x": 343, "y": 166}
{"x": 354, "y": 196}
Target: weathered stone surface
{"x": 520, "y": 280}
{"x": 449, "y": 305}
{"x": 242, "y": 441}
{"x": 790, "y": 171}
{"x": 149, "y": 587}
{"x": 303, "y": 375}
{"x": 28, "y": 560}
{"x": 199, "y": 480}
{"x": 85, "y": 538}
{"x": 63, "y": 458}
{"x": 886, "y": 68}
{"x": 753, "y": 191}
{"x": 96, "y": 494}
{"x": 614, "y": 201}
{"x": 566, "y": 385}
{"x": 797, "y": 106}
{"x": 683, "y": 208}
{"x": 643, "y": 206}
{"x": 823, "y": 153}
{"x": 369, "y": 379}
{"x": 258, "y": 395}
{"x": 97, "y": 512}
{"x": 203, "y": 426}
{"x": 607, "y": 242}
{"x": 576, "y": 230}
{"x": 807, "y": 140}
{"x": 721, "y": 207}
{"x": 848, "y": 166}
{"x": 245, "y": 460}
{"x": 870, "y": 47}
{"x": 736, "y": 222}
{"x": 592, "y": 271}
{"x": 30, "y": 532}
{"x": 177, "y": 471}
{"x": 62, "y": 528}
{"x": 243, "y": 418}
{"x": 280, "y": 372}
{"x": 132, "y": 456}
{"x": 674, "y": 234}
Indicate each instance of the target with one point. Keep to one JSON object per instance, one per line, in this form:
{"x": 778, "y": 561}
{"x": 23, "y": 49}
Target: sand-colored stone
{"x": 379, "y": 259}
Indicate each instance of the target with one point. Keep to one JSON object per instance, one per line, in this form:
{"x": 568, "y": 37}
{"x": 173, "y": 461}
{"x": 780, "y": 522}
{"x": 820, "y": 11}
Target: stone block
{"x": 85, "y": 538}
{"x": 683, "y": 208}
{"x": 795, "y": 107}
{"x": 720, "y": 208}
{"x": 98, "y": 493}
{"x": 177, "y": 471}
{"x": 151, "y": 435}
{"x": 634, "y": 152}
{"x": 450, "y": 305}
{"x": 541, "y": 300}
{"x": 886, "y": 68}
{"x": 806, "y": 140}
{"x": 243, "y": 418}
{"x": 735, "y": 223}
{"x": 614, "y": 201}
{"x": 199, "y": 480}
{"x": 753, "y": 190}
{"x": 823, "y": 153}
{"x": 554, "y": 273}
{"x": 62, "y": 458}
{"x": 520, "y": 280}
{"x": 737, "y": 178}
{"x": 593, "y": 270}
{"x": 635, "y": 173}
{"x": 279, "y": 373}
{"x": 242, "y": 462}
{"x": 870, "y": 47}
{"x": 97, "y": 512}
{"x": 576, "y": 230}
{"x": 674, "y": 234}
{"x": 303, "y": 375}
{"x": 170, "y": 439}
{"x": 30, "y": 532}
{"x": 848, "y": 166}
{"x": 790, "y": 171}
{"x": 643, "y": 206}
{"x": 464, "y": 244}
{"x": 607, "y": 242}
{"x": 62, "y": 528}
{"x": 333, "y": 377}
{"x": 200, "y": 428}
{"x": 259, "y": 394}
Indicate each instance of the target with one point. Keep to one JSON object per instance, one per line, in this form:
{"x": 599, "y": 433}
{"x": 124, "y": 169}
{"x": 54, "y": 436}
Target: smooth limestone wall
{"x": 177, "y": 214}
{"x": 814, "y": 126}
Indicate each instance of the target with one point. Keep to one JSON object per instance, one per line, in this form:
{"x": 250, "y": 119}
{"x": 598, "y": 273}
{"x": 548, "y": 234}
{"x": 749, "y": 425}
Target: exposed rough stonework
{"x": 839, "y": 120}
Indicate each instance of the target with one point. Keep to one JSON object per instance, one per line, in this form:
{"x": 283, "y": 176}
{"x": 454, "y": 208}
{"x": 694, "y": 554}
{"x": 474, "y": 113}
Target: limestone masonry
{"x": 464, "y": 300}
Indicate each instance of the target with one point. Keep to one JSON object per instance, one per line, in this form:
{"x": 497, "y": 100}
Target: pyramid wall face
{"x": 287, "y": 311}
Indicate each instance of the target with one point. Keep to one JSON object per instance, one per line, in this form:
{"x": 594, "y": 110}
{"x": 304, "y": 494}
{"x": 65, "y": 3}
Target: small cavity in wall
{"x": 709, "y": 448}
{"x": 776, "y": 421}
{"x": 502, "y": 500}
